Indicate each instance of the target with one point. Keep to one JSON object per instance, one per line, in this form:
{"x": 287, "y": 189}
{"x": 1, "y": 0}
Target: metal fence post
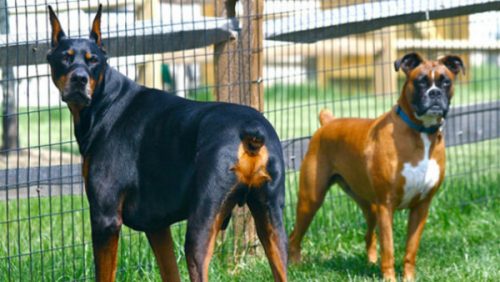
{"x": 10, "y": 136}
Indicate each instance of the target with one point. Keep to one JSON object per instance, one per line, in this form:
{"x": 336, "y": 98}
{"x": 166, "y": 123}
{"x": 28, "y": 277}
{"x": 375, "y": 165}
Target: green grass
{"x": 49, "y": 238}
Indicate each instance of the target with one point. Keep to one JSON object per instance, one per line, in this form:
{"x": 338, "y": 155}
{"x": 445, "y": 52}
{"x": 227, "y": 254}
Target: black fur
{"x": 154, "y": 159}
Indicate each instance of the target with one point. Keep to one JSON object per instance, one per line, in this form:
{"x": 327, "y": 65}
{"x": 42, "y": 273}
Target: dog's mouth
{"x": 77, "y": 96}
{"x": 435, "y": 110}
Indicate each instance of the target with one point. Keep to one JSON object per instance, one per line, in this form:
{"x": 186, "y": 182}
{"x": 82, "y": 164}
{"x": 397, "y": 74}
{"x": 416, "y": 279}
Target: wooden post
{"x": 251, "y": 46}
{"x": 226, "y": 59}
{"x": 238, "y": 77}
{"x": 10, "y": 134}
{"x": 385, "y": 78}
{"x": 149, "y": 74}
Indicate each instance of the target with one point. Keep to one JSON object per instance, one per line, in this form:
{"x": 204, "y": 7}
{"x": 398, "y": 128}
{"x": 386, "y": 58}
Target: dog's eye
{"x": 68, "y": 58}
{"x": 423, "y": 82}
{"x": 446, "y": 83}
{"x": 93, "y": 59}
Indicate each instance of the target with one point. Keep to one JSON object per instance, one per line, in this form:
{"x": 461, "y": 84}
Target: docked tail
{"x": 251, "y": 167}
{"x": 325, "y": 116}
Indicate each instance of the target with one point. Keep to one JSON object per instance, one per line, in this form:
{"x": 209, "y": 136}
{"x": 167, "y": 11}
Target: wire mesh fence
{"x": 301, "y": 56}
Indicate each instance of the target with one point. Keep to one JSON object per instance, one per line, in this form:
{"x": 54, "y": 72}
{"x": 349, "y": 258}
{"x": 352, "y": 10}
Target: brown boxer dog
{"x": 396, "y": 161}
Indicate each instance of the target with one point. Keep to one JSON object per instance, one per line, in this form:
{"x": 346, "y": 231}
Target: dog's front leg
{"x": 385, "y": 217}
{"x": 416, "y": 223}
{"x": 105, "y": 235}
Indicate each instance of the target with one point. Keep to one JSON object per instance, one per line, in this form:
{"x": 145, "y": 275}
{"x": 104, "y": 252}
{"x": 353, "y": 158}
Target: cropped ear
{"x": 95, "y": 33}
{"x": 57, "y": 32}
{"x": 408, "y": 62}
{"x": 453, "y": 63}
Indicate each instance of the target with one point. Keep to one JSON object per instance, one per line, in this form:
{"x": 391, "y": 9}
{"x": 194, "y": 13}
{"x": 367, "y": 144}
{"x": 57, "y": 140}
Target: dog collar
{"x": 417, "y": 127}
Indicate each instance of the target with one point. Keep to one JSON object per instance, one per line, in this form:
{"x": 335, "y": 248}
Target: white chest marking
{"x": 422, "y": 178}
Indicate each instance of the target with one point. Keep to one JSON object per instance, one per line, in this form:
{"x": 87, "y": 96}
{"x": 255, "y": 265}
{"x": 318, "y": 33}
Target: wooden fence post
{"x": 10, "y": 134}
{"x": 238, "y": 79}
{"x": 149, "y": 74}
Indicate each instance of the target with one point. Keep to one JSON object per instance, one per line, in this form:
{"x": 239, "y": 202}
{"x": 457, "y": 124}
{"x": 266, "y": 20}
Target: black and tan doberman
{"x": 151, "y": 159}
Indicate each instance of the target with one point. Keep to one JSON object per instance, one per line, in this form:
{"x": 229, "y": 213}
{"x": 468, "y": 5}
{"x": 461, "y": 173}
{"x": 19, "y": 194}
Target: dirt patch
{"x": 35, "y": 158}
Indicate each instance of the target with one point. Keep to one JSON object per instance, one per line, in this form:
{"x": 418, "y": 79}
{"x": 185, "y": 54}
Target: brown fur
{"x": 96, "y": 27}
{"x": 105, "y": 258}
{"x": 57, "y": 31}
{"x": 85, "y": 170}
{"x": 75, "y": 111}
{"x": 74, "y": 108}
{"x": 325, "y": 116}
{"x": 61, "y": 82}
{"x": 163, "y": 247}
{"x": 211, "y": 244}
{"x": 272, "y": 251}
{"x": 366, "y": 157}
{"x": 269, "y": 236}
{"x": 251, "y": 167}
{"x": 207, "y": 248}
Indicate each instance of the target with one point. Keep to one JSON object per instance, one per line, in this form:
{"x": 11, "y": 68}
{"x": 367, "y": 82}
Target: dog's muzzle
{"x": 434, "y": 102}
{"x": 78, "y": 88}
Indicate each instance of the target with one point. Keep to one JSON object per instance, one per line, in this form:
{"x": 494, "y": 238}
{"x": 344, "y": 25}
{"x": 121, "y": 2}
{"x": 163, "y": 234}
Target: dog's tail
{"x": 325, "y": 116}
{"x": 251, "y": 166}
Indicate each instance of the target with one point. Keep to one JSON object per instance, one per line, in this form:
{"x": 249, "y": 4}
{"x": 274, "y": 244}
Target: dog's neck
{"x": 97, "y": 118}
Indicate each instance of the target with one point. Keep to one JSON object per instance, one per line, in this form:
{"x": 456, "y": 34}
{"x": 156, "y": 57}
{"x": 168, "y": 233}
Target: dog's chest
{"x": 420, "y": 179}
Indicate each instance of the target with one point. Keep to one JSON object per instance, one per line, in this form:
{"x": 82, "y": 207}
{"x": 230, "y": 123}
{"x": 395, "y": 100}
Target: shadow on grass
{"x": 336, "y": 266}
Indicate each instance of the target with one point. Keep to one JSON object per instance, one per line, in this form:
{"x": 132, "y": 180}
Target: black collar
{"x": 420, "y": 128}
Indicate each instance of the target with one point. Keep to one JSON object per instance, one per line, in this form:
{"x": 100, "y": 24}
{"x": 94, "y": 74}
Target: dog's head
{"x": 429, "y": 84}
{"x": 77, "y": 65}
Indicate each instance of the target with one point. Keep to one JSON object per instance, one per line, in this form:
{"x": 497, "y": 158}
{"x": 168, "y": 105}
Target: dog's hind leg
{"x": 204, "y": 223}
{"x": 163, "y": 247}
{"x": 370, "y": 214}
{"x": 315, "y": 176}
{"x": 267, "y": 212}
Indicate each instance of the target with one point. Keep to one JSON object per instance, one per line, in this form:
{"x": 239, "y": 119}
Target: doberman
{"x": 151, "y": 159}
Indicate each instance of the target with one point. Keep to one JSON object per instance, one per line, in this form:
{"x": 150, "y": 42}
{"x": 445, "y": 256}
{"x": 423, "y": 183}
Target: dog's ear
{"x": 95, "y": 33}
{"x": 408, "y": 62}
{"x": 57, "y": 32}
{"x": 453, "y": 63}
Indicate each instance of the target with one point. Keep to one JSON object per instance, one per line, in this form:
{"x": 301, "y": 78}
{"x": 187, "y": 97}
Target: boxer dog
{"x": 396, "y": 161}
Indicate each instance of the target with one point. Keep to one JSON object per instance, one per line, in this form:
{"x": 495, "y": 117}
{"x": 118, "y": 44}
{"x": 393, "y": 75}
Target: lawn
{"x": 48, "y": 238}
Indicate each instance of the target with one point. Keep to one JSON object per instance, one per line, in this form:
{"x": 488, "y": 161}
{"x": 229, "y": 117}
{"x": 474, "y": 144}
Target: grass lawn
{"x": 49, "y": 238}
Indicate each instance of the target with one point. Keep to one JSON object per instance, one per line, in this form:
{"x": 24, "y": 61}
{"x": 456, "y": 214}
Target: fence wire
{"x": 335, "y": 54}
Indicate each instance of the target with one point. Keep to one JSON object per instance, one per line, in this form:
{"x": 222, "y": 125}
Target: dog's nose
{"x": 81, "y": 78}
{"x": 434, "y": 93}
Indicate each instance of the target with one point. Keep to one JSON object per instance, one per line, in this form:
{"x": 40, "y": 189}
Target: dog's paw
{"x": 294, "y": 256}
